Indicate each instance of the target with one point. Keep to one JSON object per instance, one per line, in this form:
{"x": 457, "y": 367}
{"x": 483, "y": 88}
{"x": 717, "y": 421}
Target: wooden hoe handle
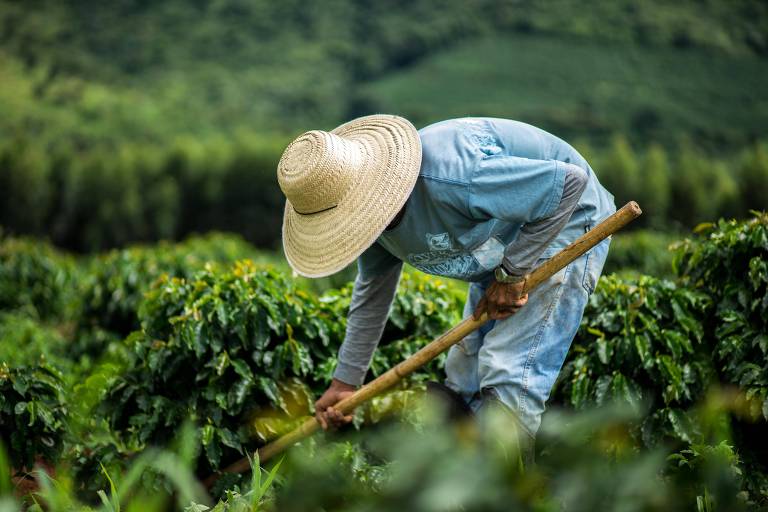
{"x": 585, "y": 242}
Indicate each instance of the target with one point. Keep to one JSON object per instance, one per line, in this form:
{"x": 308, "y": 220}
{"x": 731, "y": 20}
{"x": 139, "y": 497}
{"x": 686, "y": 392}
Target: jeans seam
{"x": 537, "y": 340}
{"x": 584, "y": 278}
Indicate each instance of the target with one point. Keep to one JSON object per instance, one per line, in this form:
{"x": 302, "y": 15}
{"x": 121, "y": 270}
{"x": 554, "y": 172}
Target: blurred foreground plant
{"x": 587, "y": 461}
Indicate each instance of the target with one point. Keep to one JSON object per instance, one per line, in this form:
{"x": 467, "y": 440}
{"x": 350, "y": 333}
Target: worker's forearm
{"x": 535, "y": 237}
{"x": 368, "y": 312}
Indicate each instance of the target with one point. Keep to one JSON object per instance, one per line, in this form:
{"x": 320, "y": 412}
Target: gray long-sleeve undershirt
{"x": 372, "y": 297}
{"x": 368, "y": 312}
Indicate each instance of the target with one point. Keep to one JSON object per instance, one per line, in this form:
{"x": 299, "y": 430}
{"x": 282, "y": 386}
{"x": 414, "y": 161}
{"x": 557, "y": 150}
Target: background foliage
{"x": 130, "y": 121}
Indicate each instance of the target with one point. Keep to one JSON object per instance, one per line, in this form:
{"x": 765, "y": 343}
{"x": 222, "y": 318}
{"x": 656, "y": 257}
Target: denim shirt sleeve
{"x": 515, "y": 189}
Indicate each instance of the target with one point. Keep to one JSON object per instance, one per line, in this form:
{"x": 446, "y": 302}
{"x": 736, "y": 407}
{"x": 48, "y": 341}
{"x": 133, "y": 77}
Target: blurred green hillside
{"x": 149, "y": 71}
{"x": 588, "y": 89}
{"x": 134, "y": 120}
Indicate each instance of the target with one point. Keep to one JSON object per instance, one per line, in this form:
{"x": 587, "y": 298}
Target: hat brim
{"x": 323, "y": 243}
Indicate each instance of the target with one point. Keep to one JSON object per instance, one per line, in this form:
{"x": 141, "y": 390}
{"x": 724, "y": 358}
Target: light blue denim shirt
{"x": 481, "y": 180}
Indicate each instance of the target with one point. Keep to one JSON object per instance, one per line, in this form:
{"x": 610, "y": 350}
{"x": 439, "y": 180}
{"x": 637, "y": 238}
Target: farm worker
{"x": 478, "y": 199}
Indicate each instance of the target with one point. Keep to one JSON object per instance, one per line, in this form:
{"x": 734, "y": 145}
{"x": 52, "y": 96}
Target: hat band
{"x": 312, "y": 213}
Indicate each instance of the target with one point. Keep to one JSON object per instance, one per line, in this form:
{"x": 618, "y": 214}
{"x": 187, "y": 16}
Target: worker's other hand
{"x": 326, "y": 414}
{"x": 501, "y": 300}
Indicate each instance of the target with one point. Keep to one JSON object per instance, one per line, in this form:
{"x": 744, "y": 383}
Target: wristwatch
{"x": 503, "y": 276}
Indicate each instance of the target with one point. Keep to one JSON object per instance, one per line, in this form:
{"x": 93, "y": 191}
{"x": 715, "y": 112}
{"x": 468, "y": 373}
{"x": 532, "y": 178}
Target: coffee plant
{"x": 641, "y": 342}
{"x": 117, "y": 280}
{"x": 37, "y": 279}
{"x": 33, "y": 413}
{"x": 729, "y": 262}
{"x": 663, "y": 346}
{"x": 25, "y": 341}
{"x": 227, "y": 344}
{"x": 587, "y": 462}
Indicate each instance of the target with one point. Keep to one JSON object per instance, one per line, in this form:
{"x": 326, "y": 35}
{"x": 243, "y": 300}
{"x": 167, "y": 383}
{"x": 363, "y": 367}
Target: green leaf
{"x": 682, "y": 425}
{"x": 229, "y": 438}
{"x": 261, "y": 491}
{"x": 213, "y": 454}
{"x": 242, "y": 369}
{"x": 269, "y": 388}
{"x": 114, "y": 503}
{"x": 676, "y": 343}
{"x": 207, "y": 433}
{"x": 238, "y": 393}
{"x": 221, "y": 314}
{"x": 603, "y": 350}
{"x": 222, "y": 362}
{"x": 687, "y": 321}
{"x": 20, "y": 408}
{"x": 196, "y": 507}
{"x": 602, "y": 389}
{"x": 761, "y": 341}
{"x": 20, "y": 384}
{"x": 643, "y": 347}
{"x": 622, "y": 389}
{"x": 105, "y": 501}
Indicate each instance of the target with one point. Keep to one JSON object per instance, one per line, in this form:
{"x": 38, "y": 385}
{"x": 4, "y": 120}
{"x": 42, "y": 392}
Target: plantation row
{"x": 138, "y": 341}
{"x": 101, "y": 197}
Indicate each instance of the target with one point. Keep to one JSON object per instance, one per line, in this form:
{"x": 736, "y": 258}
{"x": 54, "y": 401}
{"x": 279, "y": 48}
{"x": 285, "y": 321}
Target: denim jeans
{"x": 518, "y": 359}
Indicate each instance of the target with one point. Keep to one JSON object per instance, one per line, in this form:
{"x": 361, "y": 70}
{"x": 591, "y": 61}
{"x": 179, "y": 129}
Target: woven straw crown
{"x": 343, "y": 187}
{"x": 318, "y": 169}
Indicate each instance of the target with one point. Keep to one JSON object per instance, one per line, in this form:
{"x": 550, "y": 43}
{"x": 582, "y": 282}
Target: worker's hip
{"x": 520, "y": 357}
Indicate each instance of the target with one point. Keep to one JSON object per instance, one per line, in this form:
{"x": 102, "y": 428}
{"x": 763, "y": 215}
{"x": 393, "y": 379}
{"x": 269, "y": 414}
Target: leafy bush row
{"x": 117, "y": 280}
{"x": 642, "y": 342}
{"x": 664, "y": 345}
{"x": 94, "y": 300}
{"x": 589, "y": 464}
{"x": 243, "y": 351}
{"x": 730, "y": 265}
{"x": 38, "y": 279}
{"x": 226, "y": 343}
{"x": 33, "y": 413}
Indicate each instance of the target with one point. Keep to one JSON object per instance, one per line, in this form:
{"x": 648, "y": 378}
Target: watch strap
{"x": 505, "y": 276}
{"x": 506, "y": 267}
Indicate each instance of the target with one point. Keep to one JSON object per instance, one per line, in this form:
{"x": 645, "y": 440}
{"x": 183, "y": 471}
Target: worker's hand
{"x": 501, "y": 300}
{"x": 326, "y": 414}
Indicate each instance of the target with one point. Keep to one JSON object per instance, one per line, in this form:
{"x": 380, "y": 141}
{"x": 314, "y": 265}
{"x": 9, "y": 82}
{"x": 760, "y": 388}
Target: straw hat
{"x": 343, "y": 188}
